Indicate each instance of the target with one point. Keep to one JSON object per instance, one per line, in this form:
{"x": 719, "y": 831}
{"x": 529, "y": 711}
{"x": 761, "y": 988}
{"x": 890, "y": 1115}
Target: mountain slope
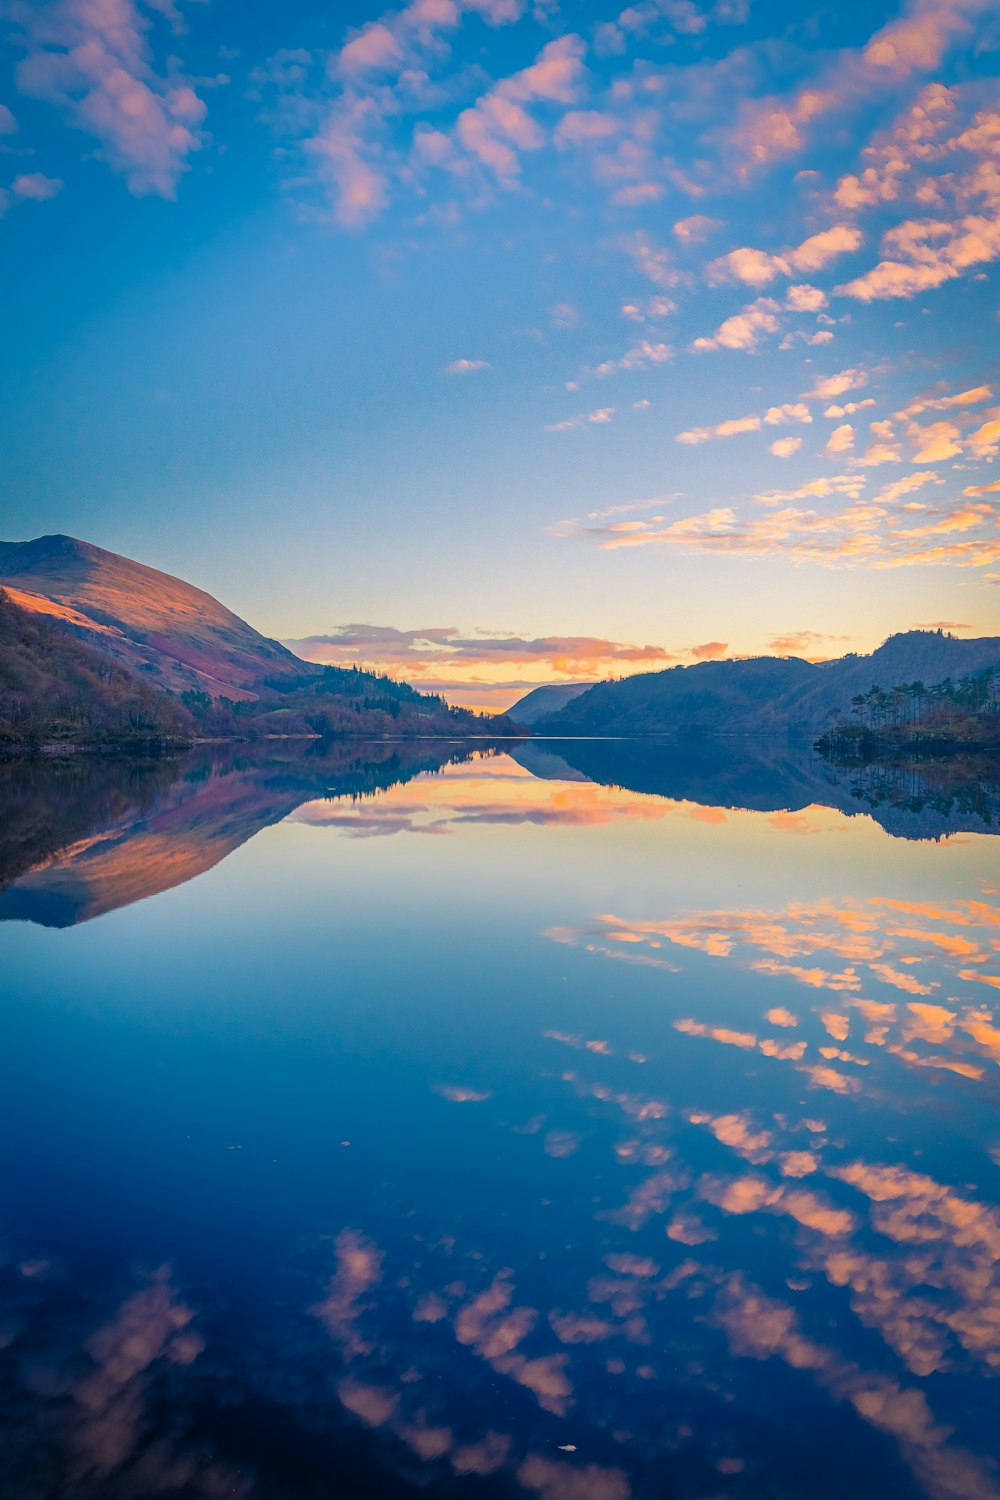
{"x": 55, "y": 684}
{"x": 765, "y": 694}
{"x": 177, "y": 636}
{"x": 545, "y": 700}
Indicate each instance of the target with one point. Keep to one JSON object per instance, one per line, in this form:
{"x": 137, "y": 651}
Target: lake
{"x": 576, "y": 1120}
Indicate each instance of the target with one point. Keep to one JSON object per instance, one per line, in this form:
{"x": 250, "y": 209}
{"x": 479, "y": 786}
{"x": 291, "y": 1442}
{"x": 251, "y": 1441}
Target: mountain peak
{"x": 23, "y": 557}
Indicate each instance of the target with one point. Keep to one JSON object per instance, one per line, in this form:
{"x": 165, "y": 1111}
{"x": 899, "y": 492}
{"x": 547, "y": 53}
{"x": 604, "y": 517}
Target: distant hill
{"x": 176, "y": 635}
{"x": 542, "y": 701}
{"x": 767, "y": 694}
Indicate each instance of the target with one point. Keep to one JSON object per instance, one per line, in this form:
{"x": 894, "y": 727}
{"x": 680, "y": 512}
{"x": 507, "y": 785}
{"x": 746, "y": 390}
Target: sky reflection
{"x": 354, "y": 1161}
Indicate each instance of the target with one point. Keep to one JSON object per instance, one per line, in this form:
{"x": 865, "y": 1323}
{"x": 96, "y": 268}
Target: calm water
{"x": 585, "y": 1122}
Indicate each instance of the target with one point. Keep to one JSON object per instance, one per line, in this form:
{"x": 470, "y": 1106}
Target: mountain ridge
{"x": 765, "y": 694}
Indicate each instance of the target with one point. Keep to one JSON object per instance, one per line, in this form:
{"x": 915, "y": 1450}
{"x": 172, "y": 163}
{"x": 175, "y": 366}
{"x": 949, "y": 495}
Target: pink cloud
{"x": 744, "y": 330}
{"x": 36, "y": 186}
{"x": 92, "y": 61}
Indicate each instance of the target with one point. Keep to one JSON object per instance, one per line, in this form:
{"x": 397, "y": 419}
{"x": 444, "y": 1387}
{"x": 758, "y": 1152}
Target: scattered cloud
{"x": 640, "y": 357}
{"x": 600, "y": 417}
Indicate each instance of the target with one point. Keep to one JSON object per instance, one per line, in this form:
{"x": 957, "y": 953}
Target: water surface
{"x": 583, "y": 1122}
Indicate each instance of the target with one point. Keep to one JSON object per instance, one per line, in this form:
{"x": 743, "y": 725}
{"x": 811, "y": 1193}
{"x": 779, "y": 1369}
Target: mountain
{"x": 767, "y": 694}
{"x": 100, "y": 649}
{"x": 177, "y": 636}
{"x": 542, "y": 701}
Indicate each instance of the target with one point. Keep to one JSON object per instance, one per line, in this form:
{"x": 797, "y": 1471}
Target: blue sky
{"x": 542, "y": 340}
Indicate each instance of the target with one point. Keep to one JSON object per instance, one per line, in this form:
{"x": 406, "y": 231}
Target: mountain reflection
{"x": 927, "y": 800}
{"x": 86, "y": 836}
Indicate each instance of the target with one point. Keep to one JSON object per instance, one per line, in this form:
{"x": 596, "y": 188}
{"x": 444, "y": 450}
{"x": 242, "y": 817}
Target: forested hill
{"x": 766, "y": 695}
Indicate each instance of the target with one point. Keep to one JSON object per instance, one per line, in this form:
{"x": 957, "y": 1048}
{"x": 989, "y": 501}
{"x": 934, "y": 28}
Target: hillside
{"x": 545, "y": 700}
{"x": 765, "y": 695}
{"x": 178, "y": 636}
{"x": 54, "y": 684}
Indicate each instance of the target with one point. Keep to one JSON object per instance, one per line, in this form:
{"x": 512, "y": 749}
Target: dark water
{"x": 584, "y": 1122}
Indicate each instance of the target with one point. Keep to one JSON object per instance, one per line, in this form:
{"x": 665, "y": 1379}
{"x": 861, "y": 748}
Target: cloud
{"x": 461, "y": 1094}
{"x": 975, "y": 396}
{"x": 816, "y": 489}
{"x": 564, "y": 315}
{"x": 819, "y": 249}
{"x": 805, "y": 299}
{"x": 695, "y": 229}
{"x": 358, "y": 1271}
{"x": 730, "y": 428}
{"x": 922, "y": 254}
{"x": 936, "y": 442}
{"x": 828, "y": 386}
{"x": 864, "y": 532}
{"x": 770, "y": 128}
{"x": 710, "y": 651}
{"x": 466, "y": 366}
{"x": 652, "y": 307}
{"x": 752, "y": 267}
{"x": 841, "y": 439}
{"x": 585, "y": 127}
{"x": 374, "y": 48}
{"x": 848, "y": 409}
{"x": 745, "y": 330}
{"x": 759, "y": 268}
{"x": 498, "y": 126}
{"x": 93, "y": 62}
{"x": 884, "y": 448}
{"x": 600, "y": 417}
{"x": 985, "y": 441}
{"x": 655, "y": 263}
{"x": 639, "y": 357}
{"x": 37, "y": 186}
{"x": 562, "y": 1481}
{"x": 347, "y": 160}
{"x": 786, "y": 447}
